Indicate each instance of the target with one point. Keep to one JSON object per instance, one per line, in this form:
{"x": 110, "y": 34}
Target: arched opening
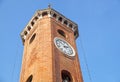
{"x": 44, "y": 14}
{"x": 60, "y": 19}
{"x": 36, "y": 18}
{"x": 54, "y": 15}
{"x": 70, "y": 25}
{"x": 29, "y": 78}
{"x": 32, "y": 38}
{"x": 66, "y": 76}
{"x": 25, "y": 32}
{"x": 65, "y": 22}
{"x": 61, "y": 32}
{"x": 29, "y": 28}
{"x": 32, "y": 23}
{"x": 75, "y": 33}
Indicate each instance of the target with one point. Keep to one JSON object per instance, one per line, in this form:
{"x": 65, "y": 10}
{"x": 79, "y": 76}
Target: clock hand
{"x": 66, "y": 47}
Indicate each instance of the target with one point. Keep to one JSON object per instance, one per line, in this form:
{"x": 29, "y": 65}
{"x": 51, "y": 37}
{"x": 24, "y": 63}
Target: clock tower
{"x": 50, "y": 53}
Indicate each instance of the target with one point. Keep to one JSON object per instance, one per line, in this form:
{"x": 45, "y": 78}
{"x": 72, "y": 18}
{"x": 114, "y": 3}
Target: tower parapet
{"x": 53, "y": 14}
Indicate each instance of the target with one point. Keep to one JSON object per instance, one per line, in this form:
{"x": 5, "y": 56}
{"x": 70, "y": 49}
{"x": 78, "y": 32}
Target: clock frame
{"x": 64, "y": 46}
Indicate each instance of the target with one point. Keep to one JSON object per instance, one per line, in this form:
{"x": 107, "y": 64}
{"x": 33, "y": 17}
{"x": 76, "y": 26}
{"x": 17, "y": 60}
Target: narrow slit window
{"x": 32, "y": 38}
{"x": 30, "y": 78}
{"x": 62, "y": 33}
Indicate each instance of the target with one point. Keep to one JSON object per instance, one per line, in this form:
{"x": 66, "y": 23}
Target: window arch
{"x": 32, "y": 38}
{"x": 25, "y": 32}
{"x": 60, "y": 19}
{"x": 66, "y": 76}
{"x": 65, "y": 22}
{"x": 29, "y": 28}
{"x": 70, "y": 25}
{"x": 44, "y": 14}
{"x": 61, "y": 32}
{"x": 29, "y": 78}
{"x": 54, "y": 15}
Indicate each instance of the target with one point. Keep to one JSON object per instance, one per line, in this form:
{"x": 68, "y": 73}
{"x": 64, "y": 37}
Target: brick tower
{"x": 50, "y": 53}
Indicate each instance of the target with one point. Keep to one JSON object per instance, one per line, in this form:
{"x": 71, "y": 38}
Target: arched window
{"x": 36, "y": 18}
{"x": 29, "y": 28}
{"x": 66, "y": 76}
{"x": 32, "y": 38}
{"x": 60, "y": 19}
{"x": 61, "y": 32}
{"x": 25, "y": 32}
{"x": 29, "y": 78}
{"x": 70, "y": 25}
{"x": 54, "y": 15}
{"x": 44, "y": 14}
{"x": 65, "y": 22}
{"x": 32, "y": 23}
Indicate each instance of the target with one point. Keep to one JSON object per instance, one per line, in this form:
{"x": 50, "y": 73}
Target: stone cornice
{"x": 53, "y": 14}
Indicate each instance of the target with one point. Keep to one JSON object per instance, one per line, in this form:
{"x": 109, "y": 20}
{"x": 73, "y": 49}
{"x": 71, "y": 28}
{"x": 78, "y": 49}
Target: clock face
{"x": 64, "y": 46}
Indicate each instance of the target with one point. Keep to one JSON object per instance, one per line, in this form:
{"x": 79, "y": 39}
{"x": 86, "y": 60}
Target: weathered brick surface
{"x": 43, "y": 60}
{"x": 63, "y": 62}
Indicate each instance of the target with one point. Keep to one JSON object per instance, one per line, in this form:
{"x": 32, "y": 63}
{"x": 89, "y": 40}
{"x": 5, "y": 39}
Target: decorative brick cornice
{"x": 53, "y": 14}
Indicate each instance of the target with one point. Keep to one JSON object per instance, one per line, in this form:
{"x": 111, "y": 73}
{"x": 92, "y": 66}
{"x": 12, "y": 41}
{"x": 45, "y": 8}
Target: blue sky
{"x": 99, "y": 27}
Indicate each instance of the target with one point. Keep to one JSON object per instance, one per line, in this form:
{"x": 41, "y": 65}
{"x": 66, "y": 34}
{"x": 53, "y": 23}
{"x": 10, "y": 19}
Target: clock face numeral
{"x": 64, "y": 47}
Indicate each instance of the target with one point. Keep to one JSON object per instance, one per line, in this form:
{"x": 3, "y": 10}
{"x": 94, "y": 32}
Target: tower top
{"x": 49, "y": 5}
{"x": 50, "y": 12}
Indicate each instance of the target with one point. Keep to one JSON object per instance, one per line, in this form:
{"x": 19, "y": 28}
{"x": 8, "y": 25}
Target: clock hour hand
{"x": 66, "y": 47}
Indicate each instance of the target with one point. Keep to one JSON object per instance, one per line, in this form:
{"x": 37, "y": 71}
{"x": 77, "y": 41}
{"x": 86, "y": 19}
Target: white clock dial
{"x": 64, "y": 46}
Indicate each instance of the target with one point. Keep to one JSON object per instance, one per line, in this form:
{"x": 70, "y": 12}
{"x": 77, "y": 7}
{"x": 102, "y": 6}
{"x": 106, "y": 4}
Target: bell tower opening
{"x": 66, "y": 76}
